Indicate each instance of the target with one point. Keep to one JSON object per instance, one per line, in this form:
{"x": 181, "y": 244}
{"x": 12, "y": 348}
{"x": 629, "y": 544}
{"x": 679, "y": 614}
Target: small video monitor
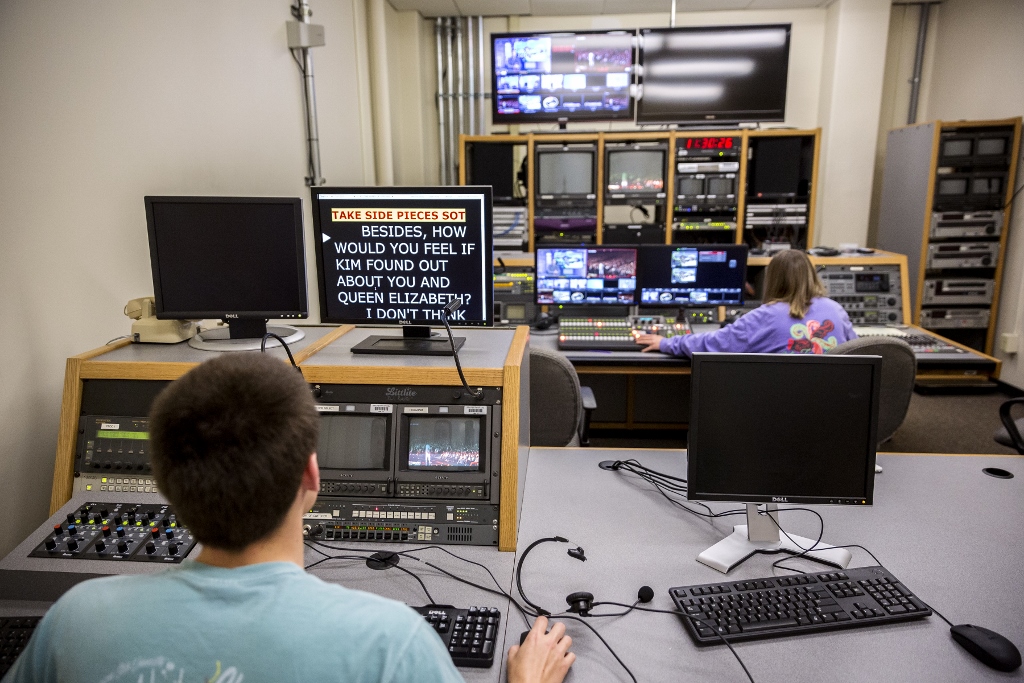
{"x": 636, "y": 171}
{"x": 565, "y": 173}
{"x": 445, "y": 444}
{"x": 354, "y": 442}
{"x": 578, "y": 276}
{"x": 711, "y": 275}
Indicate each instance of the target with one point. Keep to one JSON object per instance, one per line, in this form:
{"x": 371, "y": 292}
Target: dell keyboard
{"x": 468, "y": 634}
{"x": 14, "y": 635}
{"x": 792, "y": 605}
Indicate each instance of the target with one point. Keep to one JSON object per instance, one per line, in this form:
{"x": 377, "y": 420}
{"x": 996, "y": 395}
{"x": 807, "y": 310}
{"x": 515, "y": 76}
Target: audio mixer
{"x": 119, "y": 532}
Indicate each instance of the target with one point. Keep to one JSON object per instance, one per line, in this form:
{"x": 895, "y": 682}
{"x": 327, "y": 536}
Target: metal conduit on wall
{"x": 461, "y": 87}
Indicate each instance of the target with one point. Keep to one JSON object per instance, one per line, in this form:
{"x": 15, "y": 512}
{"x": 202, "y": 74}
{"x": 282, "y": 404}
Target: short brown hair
{"x": 791, "y": 279}
{"x": 230, "y": 440}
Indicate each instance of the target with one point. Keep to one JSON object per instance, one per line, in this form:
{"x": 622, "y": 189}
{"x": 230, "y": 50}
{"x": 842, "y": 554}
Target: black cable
{"x": 422, "y": 585}
{"x": 604, "y": 642}
{"x": 1012, "y": 197}
{"x": 455, "y": 353}
{"x": 263, "y": 347}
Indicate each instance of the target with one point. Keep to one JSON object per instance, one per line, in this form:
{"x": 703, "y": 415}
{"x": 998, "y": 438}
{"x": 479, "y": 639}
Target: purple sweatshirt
{"x": 770, "y": 329}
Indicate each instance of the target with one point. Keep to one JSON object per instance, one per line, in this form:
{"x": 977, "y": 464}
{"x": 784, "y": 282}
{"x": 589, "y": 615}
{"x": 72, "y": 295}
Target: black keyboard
{"x": 791, "y": 605}
{"x": 14, "y": 635}
{"x": 469, "y": 634}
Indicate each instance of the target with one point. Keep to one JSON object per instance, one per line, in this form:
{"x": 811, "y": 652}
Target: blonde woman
{"x": 796, "y": 317}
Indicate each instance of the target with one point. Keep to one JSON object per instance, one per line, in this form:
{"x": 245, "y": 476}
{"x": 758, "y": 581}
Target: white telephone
{"x": 148, "y": 329}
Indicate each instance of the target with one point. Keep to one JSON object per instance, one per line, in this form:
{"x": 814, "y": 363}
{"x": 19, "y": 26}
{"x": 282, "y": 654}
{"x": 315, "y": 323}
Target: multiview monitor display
{"x": 562, "y": 76}
{"x": 713, "y": 73}
{"x": 712, "y": 275}
{"x": 576, "y": 276}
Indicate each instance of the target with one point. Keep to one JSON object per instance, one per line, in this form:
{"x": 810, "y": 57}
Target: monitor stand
{"x": 243, "y": 335}
{"x": 761, "y": 535}
{"x": 416, "y": 340}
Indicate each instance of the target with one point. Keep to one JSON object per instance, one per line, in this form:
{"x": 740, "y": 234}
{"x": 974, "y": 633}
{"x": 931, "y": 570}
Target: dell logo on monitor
{"x": 780, "y": 499}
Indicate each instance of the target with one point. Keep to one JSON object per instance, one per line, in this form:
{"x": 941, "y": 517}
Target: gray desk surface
{"x": 484, "y": 348}
{"x": 951, "y": 533}
{"x": 183, "y": 353}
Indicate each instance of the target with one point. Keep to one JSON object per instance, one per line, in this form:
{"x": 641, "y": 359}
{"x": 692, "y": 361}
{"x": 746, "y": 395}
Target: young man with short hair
{"x": 233, "y": 449}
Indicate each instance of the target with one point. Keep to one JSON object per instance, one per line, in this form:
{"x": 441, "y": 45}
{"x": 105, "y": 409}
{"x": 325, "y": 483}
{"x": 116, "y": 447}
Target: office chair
{"x": 1009, "y": 434}
{"x": 559, "y": 407}
{"x": 899, "y": 367}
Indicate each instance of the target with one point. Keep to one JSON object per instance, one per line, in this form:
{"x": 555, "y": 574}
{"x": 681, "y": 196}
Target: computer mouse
{"x": 522, "y": 636}
{"x": 988, "y": 647}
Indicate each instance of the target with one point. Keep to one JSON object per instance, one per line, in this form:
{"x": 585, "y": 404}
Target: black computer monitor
{"x": 564, "y": 76}
{"x": 711, "y": 275}
{"x": 713, "y": 74}
{"x": 786, "y": 448}
{"x": 240, "y": 259}
{"x": 580, "y": 275}
{"x": 398, "y": 255}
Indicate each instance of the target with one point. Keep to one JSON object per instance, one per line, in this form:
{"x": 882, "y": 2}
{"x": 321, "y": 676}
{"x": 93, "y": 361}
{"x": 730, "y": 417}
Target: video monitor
{"x": 707, "y": 275}
{"x": 354, "y": 442}
{"x": 446, "y": 444}
{"x": 565, "y": 173}
{"x": 581, "y": 76}
{"x": 576, "y": 276}
{"x": 780, "y": 452}
{"x": 636, "y": 171}
{"x": 713, "y": 73}
{"x": 239, "y": 259}
{"x": 398, "y": 255}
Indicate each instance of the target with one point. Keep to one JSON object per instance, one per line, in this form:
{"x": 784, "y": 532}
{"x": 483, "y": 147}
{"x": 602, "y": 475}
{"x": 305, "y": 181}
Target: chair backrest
{"x": 899, "y": 367}
{"x": 556, "y": 406}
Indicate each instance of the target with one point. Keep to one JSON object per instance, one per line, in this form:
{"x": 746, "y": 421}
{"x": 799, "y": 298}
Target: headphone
{"x": 580, "y": 602}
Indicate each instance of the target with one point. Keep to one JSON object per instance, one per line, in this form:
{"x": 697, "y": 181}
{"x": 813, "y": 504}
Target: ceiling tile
{"x": 493, "y": 8}
{"x": 565, "y": 7}
{"x": 787, "y": 4}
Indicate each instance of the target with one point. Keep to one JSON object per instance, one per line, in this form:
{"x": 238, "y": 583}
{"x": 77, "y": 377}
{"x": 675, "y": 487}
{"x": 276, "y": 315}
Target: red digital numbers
{"x": 709, "y": 143}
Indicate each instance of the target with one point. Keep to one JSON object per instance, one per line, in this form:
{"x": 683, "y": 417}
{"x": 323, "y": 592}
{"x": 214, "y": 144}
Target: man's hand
{"x": 650, "y": 342}
{"x": 544, "y": 657}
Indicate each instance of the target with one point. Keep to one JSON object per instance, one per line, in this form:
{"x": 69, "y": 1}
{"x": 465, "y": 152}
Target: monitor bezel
{"x": 650, "y": 248}
{"x": 693, "y": 463}
{"x": 587, "y": 247}
{"x": 563, "y": 117}
{"x": 330, "y": 473}
{"x": 406, "y": 474}
{"x": 588, "y": 148}
{"x": 164, "y": 314}
{"x": 642, "y": 119}
{"x": 661, "y": 148}
{"x": 488, "y": 275}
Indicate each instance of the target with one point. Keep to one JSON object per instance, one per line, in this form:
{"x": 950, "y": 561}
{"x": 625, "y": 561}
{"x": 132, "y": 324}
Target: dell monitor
{"x": 579, "y": 275}
{"x": 397, "y": 256}
{"x": 239, "y": 259}
{"x": 712, "y": 275}
{"x": 713, "y": 74}
{"x": 786, "y": 450}
{"x": 562, "y": 77}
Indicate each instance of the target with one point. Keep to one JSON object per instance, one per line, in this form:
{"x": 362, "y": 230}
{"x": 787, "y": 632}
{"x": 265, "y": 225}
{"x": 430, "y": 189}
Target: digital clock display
{"x": 710, "y": 143}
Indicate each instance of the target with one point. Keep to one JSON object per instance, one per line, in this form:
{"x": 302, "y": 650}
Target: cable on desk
{"x": 263, "y": 347}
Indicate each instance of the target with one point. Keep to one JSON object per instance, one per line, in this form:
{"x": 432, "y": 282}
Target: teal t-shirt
{"x": 196, "y": 623}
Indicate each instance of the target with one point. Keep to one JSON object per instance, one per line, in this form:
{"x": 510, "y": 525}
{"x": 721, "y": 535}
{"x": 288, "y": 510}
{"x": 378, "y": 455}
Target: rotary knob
{"x": 150, "y": 548}
{"x": 50, "y": 544}
{"x": 172, "y": 548}
{"x": 100, "y": 546}
{"x": 58, "y": 530}
{"x": 120, "y": 532}
{"x": 71, "y": 518}
{"x": 169, "y": 533}
{"x": 106, "y": 531}
{"x": 122, "y": 547}
{"x": 72, "y": 544}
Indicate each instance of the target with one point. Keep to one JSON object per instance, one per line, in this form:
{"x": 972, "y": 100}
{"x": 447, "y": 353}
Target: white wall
{"x": 102, "y": 104}
{"x": 979, "y": 56}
